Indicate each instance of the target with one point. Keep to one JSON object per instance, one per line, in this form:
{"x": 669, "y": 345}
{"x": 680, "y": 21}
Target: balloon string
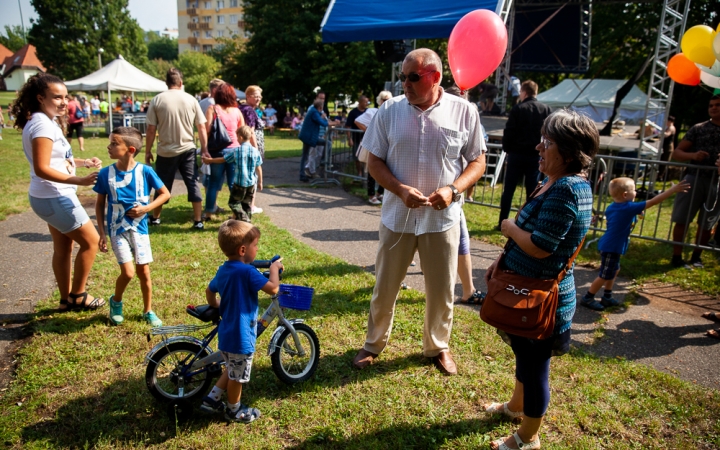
{"x": 463, "y": 92}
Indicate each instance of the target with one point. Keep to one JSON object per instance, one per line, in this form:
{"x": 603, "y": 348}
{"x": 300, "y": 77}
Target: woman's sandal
{"x": 476, "y": 298}
{"x": 502, "y": 408}
{"x": 711, "y": 316}
{"x": 67, "y": 305}
{"x": 533, "y": 445}
{"x": 96, "y": 303}
{"x": 715, "y": 334}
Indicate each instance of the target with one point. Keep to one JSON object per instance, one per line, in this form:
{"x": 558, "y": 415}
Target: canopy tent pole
{"x": 110, "y": 109}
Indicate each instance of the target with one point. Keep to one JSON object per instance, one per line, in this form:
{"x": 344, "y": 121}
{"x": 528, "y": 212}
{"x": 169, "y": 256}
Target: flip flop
{"x": 711, "y": 316}
{"x": 476, "y": 298}
{"x": 715, "y": 334}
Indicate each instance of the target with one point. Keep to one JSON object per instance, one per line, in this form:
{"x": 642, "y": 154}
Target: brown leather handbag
{"x": 521, "y": 305}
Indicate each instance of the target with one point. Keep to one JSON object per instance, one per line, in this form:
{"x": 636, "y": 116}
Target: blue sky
{"x": 150, "y": 14}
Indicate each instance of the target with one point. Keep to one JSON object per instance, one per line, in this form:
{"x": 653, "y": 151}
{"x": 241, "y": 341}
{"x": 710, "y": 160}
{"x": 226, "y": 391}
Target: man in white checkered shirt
{"x": 416, "y": 144}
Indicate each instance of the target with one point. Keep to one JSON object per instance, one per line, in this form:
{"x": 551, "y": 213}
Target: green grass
{"x": 80, "y": 381}
{"x": 278, "y": 146}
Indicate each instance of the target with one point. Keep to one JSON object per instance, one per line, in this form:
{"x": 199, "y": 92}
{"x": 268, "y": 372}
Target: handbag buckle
{"x": 517, "y": 291}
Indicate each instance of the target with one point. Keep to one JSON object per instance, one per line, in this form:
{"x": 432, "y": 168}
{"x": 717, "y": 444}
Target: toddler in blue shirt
{"x": 238, "y": 284}
{"x": 621, "y": 218}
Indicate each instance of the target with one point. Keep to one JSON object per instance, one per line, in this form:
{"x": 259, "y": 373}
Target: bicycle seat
{"x": 205, "y": 313}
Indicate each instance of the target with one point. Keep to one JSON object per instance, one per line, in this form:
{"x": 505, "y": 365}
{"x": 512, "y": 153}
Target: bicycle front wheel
{"x": 287, "y": 363}
{"x": 164, "y": 374}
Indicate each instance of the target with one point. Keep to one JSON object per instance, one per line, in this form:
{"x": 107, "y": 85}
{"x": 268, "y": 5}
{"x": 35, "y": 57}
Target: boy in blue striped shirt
{"x": 248, "y": 172}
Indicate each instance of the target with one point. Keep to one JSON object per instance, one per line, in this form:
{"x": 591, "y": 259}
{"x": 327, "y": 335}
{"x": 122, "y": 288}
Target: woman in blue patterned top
{"x": 544, "y": 236}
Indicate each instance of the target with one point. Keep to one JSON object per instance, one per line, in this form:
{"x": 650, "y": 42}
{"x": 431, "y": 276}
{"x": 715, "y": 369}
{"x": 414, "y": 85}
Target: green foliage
{"x": 198, "y": 69}
{"x": 158, "y": 68}
{"x": 286, "y": 57}
{"x": 163, "y": 48}
{"x": 14, "y": 38}
{"x": 68, "y": 34}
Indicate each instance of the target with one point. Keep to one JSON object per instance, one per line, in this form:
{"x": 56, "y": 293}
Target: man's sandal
{"x": 533, "y": 445}
{"x": 94, "y": 304}
{"x": 711, "y": 316}
{"x": 476, "y": 298}
{"x": 715, "y": 334}
{"x": 502, "y": 408}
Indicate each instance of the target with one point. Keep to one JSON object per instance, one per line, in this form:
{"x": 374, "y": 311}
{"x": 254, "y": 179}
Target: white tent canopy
{"x": 119, "y": 75}
{"x": 597, "y": 100}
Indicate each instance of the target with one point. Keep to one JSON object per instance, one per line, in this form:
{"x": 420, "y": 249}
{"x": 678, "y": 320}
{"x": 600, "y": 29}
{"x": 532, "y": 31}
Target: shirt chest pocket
{"x": 452, "y": 142}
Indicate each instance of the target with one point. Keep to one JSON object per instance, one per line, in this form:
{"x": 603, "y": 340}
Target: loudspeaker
{"x": 392, "y": 51}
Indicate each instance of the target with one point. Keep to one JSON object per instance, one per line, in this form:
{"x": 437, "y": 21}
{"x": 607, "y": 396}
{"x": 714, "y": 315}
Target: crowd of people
{"x": 422, "y": 150}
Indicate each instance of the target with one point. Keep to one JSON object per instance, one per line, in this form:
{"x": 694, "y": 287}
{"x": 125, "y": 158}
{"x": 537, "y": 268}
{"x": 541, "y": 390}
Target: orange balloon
{"x": 682, "y": 70}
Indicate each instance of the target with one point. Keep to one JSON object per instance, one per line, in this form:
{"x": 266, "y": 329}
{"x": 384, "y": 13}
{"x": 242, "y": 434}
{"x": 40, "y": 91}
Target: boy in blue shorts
{"x": 125, "y": 187}
{"x": 238, "y": 284}
{"x": 621, "y": 218}
{"x": 248, "y": 174}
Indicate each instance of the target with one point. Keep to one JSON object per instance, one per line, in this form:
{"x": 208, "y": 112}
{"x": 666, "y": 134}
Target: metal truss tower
{"x": 660, "y": 89}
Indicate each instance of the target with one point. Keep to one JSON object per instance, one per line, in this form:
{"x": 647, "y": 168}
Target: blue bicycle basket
{"x": 295, "y": 297}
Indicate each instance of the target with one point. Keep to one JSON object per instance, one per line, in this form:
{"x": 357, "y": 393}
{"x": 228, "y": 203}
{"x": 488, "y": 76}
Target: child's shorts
{"x": 130, "y": 243}
{"x": 610, "y": 265}
{"x": 238, "y": 366}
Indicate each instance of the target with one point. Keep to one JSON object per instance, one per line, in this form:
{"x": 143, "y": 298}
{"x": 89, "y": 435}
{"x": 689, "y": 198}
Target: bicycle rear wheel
{"x": 164, "y": 370}
{"x": 287, "y": 363}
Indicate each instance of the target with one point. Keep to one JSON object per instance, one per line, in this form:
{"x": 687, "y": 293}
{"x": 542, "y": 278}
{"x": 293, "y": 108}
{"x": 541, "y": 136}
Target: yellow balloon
{"x": 697, "y": 45}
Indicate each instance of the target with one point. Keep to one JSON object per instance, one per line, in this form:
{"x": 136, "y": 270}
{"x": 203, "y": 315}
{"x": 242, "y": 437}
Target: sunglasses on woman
{"x": 413, "y": 77}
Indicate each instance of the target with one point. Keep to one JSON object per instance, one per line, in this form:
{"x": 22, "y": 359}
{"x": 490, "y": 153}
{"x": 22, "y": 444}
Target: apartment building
{"x": 201, "y": 22}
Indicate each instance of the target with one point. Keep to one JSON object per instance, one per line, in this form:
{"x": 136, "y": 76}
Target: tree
{"x": 286, "y": 57}
{"x": 14, "y": 38}
{"x": 163, "y": 48}
{"x": 198, "y": 70}
{"x": 159, "y": 67}
{"x": 68, "y": 34}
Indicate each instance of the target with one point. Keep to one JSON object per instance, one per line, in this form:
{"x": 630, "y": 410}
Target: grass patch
{"x": 278, "y": 146}
{"x": 80, "y": 381}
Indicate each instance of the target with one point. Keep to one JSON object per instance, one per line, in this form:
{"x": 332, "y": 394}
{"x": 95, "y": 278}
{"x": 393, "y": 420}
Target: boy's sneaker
{"x": 116, "y": 314}
{"x": 152, "y": 318}
{"x": 245, "y": 414}
{"x": 609, "y": 301}
{"x": 212, "y": 406}
{"x": 592, "y": 304}
{"x": 154, "y": 221}
{"x": 696, "y": 264}
{"x": 198, "y": 225}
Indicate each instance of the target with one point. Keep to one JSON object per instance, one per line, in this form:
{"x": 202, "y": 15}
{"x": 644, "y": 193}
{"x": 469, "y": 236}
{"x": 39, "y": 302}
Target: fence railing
{"x": 651, "y": 177}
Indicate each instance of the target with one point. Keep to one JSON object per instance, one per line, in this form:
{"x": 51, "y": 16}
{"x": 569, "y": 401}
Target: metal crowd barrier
{"x": 339, "y": 160}
{"x": 651, "y": 177}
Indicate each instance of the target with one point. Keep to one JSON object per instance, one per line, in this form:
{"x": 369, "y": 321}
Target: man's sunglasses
{"x": 413, "y": 77}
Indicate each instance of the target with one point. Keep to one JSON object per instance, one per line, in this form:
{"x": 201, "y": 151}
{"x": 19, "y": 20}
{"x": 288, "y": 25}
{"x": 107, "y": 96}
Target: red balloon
{"x": 476, "y": 47}
{"x": 682, "y": 70}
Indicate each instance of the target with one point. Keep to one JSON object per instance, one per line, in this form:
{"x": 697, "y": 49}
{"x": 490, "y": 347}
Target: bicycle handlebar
{"x": 264, "y": 263}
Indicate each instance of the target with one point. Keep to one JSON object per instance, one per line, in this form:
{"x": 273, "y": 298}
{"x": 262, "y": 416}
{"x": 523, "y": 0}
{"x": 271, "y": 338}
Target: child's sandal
{"x": 96, "y": 303}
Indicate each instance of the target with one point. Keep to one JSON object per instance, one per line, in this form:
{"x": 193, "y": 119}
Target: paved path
{"x": 666, "y": 333}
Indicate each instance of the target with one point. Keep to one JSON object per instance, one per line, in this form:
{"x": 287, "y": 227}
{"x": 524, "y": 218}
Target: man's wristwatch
{"x": 456, "y": 194}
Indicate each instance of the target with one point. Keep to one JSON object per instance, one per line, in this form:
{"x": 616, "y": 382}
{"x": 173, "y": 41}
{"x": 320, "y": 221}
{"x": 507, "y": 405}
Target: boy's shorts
{"x": 610, "y": 265}
{"x": 238, "y": 366}
{"x": 130, "y": 243}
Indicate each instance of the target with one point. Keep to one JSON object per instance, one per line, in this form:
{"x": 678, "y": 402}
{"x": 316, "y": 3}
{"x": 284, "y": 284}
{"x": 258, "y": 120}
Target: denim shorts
{"x": 65, "y": 214}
